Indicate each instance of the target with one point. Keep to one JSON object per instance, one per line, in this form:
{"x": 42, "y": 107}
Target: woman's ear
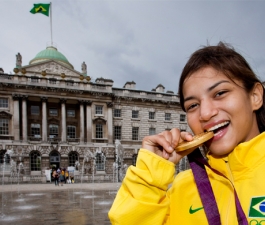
{"x": 257, "y": 96}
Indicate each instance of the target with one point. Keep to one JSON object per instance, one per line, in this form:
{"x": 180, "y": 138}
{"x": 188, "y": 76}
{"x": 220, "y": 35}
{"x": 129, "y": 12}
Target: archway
{"x": 55, "y": 159}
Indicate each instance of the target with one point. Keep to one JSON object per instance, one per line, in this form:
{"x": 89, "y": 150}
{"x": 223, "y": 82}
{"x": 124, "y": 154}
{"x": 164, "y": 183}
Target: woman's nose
{"x": 207, "y": 110}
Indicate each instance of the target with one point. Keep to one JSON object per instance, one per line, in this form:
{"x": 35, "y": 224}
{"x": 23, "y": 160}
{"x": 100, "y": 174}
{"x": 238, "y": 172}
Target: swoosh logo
{"x": 195, "y": 210}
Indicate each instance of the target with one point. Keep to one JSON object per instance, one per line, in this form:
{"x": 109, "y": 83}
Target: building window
{"x": 167, "y": 116}
{"x": 151, "y": 115}
{"x": 53, "y": 130}
{"x": 117, "y": 113}
{"x": 35, "y": 130}
{"x": 53, "y": 112}
{"x": 117, "y": 132}
{"x": 135, "y": 114}
{"x": 182, "y": 118}
{"x": 3, "y": 103}
{"x": 4, "y": 158}
{"x": 52, "y": 81}
{"x": 71, "y": 131}
{"x": 152, "y": 131}
{"x": 4, "y": 126}
{"x": 35, "y": 161}
{"x": 69, "y": 83}
{"x": 135, "y": 133}
{"x": 99, "y": 109}
{"x": 100, "y": 161}
{"x": 70, "y": 113}
{"x": 35, "y": 110}
{"x": 99, "y": 131}
{"x": 54, "y": 157}
{"x": 34, "y": 79}
{"x": 72, "y": 158}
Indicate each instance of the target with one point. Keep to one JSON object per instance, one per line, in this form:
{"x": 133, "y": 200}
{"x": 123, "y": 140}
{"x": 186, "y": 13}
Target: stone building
{"x": 52, "y": 115}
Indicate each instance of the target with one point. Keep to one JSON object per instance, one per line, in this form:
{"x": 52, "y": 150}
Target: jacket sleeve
{"x": 142, "y": 198}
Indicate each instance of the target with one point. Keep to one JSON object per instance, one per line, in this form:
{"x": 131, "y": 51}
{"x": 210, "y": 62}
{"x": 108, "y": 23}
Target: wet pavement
{"x": 47, "y": 204}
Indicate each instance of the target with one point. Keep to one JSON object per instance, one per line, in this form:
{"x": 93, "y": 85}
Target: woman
{"x": 55, "y": 176}
{"x": 62, "y": 177}
{"x": 66, "y": 175}
{"x": 220, "y": 93}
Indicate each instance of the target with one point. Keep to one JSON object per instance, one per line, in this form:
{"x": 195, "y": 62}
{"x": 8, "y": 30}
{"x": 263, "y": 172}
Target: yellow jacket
{"x": 145, "y": 199}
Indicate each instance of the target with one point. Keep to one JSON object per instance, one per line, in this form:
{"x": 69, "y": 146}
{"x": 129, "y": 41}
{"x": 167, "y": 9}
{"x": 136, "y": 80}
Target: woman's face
{"x": 214, "y": 102}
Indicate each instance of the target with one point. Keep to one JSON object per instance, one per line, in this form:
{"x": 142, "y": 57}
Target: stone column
{"x": 24, "y": 118}
{"x": 63, "y": 120}
{"x": 82, "y": 121}
{"x": 16, "y": 118}
{"x": 110, "y": 123}
{"x": 44, "y": 118}
{"x": 88, "y": 121}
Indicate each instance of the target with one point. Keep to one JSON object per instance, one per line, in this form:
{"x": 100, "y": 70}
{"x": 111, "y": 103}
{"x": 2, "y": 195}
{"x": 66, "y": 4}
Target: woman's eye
{"x": 192, "y": 106}
{"x": 220, "y": 93}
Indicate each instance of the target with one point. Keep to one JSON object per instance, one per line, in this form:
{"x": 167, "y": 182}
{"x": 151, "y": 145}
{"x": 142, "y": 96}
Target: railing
{"x": 37, "y": 179}
{"x": 54, "y": 140}
{"x": 73, "y": 140}
{"x": 34, "y": 138}
{"x": 102, "y": 178}
{"x": 43, "y": 82}
{"x": 6, "y": 137}
{"x": 76, "y": 85}
{"x": 97, "y": 140}
{"x": 7, "y": 179}
{"x": 148, "y": 95}
{"x": 5, "y": 77}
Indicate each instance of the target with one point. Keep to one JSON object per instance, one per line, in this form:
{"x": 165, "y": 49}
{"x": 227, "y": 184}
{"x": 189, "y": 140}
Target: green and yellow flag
{"x": 41, "y": 8}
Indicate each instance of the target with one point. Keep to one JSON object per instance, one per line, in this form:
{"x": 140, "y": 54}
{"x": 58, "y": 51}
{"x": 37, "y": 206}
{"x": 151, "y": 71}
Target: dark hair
{"x": 225, "y": 59}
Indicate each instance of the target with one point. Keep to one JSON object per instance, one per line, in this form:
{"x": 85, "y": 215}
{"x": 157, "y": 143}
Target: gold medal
{"x": 197, "y": 141}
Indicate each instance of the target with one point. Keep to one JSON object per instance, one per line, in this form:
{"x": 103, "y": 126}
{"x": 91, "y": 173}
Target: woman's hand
{"x": 163, "y": 144}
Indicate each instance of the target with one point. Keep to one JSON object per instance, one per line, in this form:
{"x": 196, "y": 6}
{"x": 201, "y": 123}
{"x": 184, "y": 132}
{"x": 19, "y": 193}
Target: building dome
{"x": 51, "y": 53}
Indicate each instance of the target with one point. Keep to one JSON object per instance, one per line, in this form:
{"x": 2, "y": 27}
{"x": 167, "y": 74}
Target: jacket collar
{"x": 242, "y": 160}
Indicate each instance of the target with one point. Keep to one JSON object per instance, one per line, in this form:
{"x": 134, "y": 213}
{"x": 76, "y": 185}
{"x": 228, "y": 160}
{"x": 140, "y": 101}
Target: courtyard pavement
{"x": 47, "y": 204}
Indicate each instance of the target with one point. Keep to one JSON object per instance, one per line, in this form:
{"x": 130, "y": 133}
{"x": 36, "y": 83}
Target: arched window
{"x": 2, "y": 155}
{"x": 72, "y": 158}
{"x": 55, "y": 159}
{"x": 35, "y": 161}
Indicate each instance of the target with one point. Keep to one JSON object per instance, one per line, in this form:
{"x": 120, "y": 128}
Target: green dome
{"x": 51, "y": 53}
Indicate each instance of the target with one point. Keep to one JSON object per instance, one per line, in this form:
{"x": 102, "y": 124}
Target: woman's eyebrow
{"x": 216, "y": 84}
{"x": 209, "y": 89}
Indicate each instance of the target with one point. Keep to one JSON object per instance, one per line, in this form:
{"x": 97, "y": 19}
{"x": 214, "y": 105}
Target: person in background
{"x": 53, "y": 175}
{"x": 220, "y": 93}
{"x": 66, "y": 176}
{"x": 61, "y": 176}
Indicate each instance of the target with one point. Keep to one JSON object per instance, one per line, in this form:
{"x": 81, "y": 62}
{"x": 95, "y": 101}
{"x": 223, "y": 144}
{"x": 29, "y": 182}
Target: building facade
{"x": 52, "y": 116}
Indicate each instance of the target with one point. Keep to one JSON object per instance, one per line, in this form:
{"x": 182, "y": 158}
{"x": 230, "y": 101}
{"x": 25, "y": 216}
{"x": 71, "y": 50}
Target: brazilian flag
{"x": 257, "y": 207}
{"x": 41, "y": 8}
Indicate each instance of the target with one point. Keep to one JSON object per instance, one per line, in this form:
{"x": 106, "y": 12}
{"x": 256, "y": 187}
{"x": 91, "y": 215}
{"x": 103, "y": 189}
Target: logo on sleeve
{"x": 194, "y": 210}
{"x": 257, "y": 207}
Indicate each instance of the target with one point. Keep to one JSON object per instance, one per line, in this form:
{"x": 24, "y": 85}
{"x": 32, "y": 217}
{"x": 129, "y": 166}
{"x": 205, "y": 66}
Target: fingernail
{"x": 166, "y": 154}
{"x": 170, "y": 148}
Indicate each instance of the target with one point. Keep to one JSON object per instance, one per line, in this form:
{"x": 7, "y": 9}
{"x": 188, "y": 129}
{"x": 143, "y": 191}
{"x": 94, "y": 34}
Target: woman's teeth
{"x": 214, "y": 128}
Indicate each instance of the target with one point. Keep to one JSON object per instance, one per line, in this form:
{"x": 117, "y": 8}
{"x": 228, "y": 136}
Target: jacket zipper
{"x": 230, "y": 180}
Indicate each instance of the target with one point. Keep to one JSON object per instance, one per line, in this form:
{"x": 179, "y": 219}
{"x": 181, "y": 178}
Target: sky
{"x": 145, "y": 41}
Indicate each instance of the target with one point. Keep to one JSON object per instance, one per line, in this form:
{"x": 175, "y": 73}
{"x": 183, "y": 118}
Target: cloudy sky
{"x": 145, "y": 41}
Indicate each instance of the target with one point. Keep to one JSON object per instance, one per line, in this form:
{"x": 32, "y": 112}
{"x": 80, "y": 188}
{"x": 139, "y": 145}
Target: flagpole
{"x": 51, "y": 22}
